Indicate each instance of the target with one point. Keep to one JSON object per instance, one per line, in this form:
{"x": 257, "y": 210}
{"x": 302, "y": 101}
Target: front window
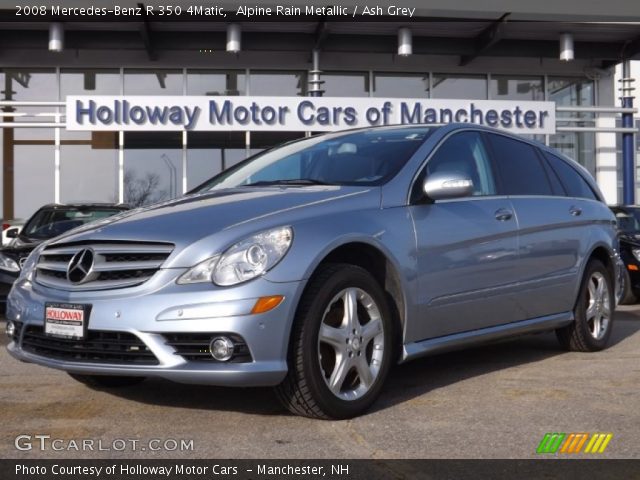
{"x": 370, "y": 157}
{"x": 49, "y": 223}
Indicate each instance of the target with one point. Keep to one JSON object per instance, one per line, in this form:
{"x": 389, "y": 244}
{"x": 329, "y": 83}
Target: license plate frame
{"x": 66, "y": 320}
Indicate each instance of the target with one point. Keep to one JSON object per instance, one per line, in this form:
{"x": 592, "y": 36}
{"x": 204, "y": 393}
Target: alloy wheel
{"x": 351, "y": 343}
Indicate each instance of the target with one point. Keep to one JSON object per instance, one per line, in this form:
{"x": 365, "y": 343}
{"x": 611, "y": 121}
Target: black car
{"x": 628, "y": 217}
{"x": 48, "y": 222}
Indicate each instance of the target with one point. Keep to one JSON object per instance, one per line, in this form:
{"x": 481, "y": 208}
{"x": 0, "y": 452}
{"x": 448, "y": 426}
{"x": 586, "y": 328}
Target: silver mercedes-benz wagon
{"x": 317, "y": 265}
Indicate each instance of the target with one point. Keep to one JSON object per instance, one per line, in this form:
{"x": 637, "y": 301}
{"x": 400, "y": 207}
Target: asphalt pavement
{"x": 494, "y": 401}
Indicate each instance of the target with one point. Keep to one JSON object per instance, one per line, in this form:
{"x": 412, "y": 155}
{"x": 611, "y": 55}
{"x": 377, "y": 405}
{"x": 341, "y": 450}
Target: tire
{"x": 324, "y": 349}
{"x": 593, "y": 312}
{"x": 628, "y": 295}
{"x": 106, "y": 381}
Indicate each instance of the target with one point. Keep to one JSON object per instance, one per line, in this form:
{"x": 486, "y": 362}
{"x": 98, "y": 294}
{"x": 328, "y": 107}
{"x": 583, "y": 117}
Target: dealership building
{"x": 79, "y": 92}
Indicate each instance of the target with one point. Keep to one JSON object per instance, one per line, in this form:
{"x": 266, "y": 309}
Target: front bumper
{"x": 159, "y": 308}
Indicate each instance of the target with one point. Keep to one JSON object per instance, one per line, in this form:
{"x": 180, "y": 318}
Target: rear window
{"x": 520, "y": 168}
{"x": 574, "y": 184}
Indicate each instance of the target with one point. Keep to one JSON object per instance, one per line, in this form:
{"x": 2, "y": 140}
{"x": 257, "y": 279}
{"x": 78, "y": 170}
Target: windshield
{"x": 50, "y": 222}
{"x": 628, "y": 221}
{"x": 370, "y": 157}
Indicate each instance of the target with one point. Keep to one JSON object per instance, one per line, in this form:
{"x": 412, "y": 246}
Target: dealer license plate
{"x": 68, "y": 320}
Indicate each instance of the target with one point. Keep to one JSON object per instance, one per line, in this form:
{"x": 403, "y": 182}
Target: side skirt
{"x": 461, "y": 340}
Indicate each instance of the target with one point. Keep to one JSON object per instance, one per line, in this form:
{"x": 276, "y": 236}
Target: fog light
{"x": 11, "y": 329}
{"x": 221, "y": 349}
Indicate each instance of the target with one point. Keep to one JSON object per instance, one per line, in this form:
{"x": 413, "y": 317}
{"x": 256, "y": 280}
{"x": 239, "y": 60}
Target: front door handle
{"x": 503, "y": 214}
{"x": 575, "y": 211}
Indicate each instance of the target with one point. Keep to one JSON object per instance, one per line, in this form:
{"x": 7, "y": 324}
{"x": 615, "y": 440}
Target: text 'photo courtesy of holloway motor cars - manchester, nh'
{"x": 346, "y": 240}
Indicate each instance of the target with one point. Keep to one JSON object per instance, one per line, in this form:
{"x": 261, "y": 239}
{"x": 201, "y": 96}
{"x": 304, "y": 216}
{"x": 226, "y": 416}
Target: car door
{"x": 466, "y": 247}
{"x": 552, "y": 232}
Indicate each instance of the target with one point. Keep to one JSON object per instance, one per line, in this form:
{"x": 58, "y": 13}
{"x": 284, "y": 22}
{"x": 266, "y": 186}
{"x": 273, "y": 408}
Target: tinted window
{"x": 520, "y": 168}
{"x": 464, "y": 153}
{"x": 574, "y": 184}
{"x": 556, "y": 185}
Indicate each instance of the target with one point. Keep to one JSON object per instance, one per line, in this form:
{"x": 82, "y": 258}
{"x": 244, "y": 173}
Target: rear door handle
{"x": 575, "y": 211}
{"x": 502, "y": 214}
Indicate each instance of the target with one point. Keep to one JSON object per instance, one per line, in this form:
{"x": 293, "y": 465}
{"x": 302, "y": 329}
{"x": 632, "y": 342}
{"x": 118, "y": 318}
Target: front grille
{"x": 98, "y": 347}
{"x": 115, "y": 264}
{"x": 194, "y": 347}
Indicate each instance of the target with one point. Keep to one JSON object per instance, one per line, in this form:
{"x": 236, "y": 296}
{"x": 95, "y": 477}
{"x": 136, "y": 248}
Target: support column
{"x": 628, "y": 150}
{"x": 7, "y": 155}
{"x": 606, "y": 142}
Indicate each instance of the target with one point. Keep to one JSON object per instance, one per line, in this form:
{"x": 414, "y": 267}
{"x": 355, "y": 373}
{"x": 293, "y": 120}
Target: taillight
{"x": 5, "y": 226}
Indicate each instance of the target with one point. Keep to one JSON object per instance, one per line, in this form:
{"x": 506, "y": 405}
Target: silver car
{"x": 317, "y": 265}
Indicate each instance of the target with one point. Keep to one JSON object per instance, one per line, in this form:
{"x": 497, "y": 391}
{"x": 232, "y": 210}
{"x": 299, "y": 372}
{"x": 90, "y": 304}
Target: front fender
{"x": 390, "y": 231}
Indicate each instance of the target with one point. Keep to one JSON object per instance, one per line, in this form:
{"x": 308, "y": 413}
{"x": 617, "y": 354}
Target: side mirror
{"x": 446, "y": 185}
{"x": 12, "y": 232}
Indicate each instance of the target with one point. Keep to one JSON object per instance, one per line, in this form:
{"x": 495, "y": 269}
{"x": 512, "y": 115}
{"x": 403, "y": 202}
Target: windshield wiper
{"x": 295, "y": 181}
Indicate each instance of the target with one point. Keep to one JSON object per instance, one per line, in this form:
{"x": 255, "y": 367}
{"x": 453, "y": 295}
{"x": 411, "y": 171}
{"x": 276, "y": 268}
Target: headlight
{"x": 8, "y": 264}
{"x": 636, "y": 253}
{"x": 202, "y": 272}
{"x": 245, "y": 260}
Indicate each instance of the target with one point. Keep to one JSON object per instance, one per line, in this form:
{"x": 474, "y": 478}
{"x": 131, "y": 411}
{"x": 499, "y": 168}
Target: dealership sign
{"x": 201, "y": 113}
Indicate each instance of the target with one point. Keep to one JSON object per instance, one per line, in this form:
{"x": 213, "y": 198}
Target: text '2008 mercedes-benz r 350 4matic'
{"x": 316, "y": 265}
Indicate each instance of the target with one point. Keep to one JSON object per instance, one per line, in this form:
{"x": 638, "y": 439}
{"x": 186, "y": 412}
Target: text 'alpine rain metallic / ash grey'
{"x": 316, "y": 265}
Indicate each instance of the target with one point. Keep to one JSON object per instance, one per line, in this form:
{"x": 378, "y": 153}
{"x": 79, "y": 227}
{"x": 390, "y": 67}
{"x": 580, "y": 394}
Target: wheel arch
{"x": 378, "y": 263}
{"x": 605, "y": 254}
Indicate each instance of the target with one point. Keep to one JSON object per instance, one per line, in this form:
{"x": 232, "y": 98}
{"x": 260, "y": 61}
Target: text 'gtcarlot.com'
{"x": 46, "y": 442}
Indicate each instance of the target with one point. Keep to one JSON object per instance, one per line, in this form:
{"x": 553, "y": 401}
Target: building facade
{"x": 464, "y": 54}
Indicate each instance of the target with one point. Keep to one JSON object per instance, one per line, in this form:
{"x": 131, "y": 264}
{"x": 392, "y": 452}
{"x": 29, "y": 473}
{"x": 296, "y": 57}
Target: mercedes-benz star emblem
{"x": 81, "y": 267}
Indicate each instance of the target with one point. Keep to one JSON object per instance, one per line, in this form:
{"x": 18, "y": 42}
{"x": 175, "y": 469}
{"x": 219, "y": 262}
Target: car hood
{"x": 197, "y": 218}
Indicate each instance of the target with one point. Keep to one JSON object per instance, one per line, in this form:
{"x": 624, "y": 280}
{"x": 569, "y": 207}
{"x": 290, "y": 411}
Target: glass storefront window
{"x": 470, "y": 87}
{"x": 400, "y": 86}
{"x": 212, "y": 82}
{"x": 83, "y": 162}
{"x": 264, "y": 82}
{"x": 33, "y": 168}
{"x": 29, "y": 149}
{"x": 577, "y": 92}
{"x": 152, "y": 167}
{"x": 209, "y": 153}
{"x": 30, "y": 85}
{"x": 506, "y": 87}
{"x": 346, "y": 84}
{"x": 85, "y": 156}
{"x": 153, "y": 82}
{"x": 89, "y": 81}
{"x": 570, "y": 91}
